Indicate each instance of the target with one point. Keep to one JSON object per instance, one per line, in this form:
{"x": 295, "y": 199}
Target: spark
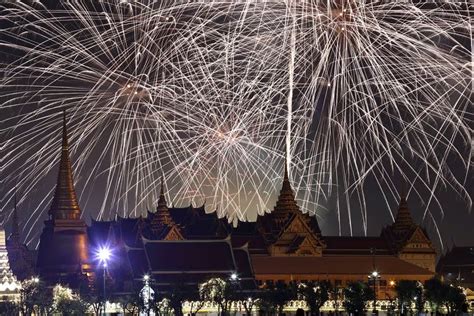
{"x": 211, "y": 94}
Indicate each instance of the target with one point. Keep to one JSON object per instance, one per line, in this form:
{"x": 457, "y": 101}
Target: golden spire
{"x": 286, "y": 202}
{"x": 403, "y": 220}
{"x": 162, "y": 214}
{"x": 64, "y": 205}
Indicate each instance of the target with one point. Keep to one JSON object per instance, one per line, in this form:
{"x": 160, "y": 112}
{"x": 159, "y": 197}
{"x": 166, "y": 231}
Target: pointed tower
{"x": 64, "y": 205}
{"x": 286, "y": 230}
{"x": 162, "y": 224}
{"x": 403, "y": 221}
{"x": 163, "y": 215}
{"x": 286, "y": 202}
{"x": 63, "y": 254}
{"x": 14, "y": 237}
{"x": 408, "y": 240}
{"x": 19, "y": 256}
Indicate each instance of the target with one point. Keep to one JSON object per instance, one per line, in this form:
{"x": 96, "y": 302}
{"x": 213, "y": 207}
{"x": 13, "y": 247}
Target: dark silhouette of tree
{"x": 219, "y": 291}
{"x": 130, "y": 302}
{"x": 315, "y": 294}
{"x": 435, "y": 292}
{"x": 455, "y": 299}
{"x": 407, "y": 291}
{"x": 35, "y": 296}
{"x": 181, "y": 292}
{"x": 440, "y": 294}
{"x": 356, "y": 296}
{"x": 248, "y": 298}
{"x": 274, "y": 296}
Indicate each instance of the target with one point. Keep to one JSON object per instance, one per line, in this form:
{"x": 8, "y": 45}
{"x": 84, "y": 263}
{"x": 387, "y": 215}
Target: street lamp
{"x": 233, "y": 276}
{"x": 374, "y": 276}
{"x": 104, "y": 254}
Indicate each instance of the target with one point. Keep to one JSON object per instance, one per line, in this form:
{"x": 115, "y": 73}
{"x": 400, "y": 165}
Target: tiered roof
{"x": 65, "y": 205}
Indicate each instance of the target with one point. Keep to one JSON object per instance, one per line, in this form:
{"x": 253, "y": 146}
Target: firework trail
{"x": 210, "y": 94}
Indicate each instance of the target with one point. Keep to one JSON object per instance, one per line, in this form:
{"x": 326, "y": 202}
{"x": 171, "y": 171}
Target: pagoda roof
{"x": 458, "y": 256}
{"x": 190, "y": 256}
{"x": 359, "y": 244}
{"x": 360, "y": 265}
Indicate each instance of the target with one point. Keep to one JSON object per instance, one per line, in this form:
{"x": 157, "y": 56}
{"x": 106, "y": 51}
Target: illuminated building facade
{"x": 187, "y": 244}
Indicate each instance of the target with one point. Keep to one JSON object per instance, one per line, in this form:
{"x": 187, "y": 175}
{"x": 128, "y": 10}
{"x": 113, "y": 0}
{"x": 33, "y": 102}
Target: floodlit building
{"x": 176, "y": 245}
{"x": 288, "y": 245}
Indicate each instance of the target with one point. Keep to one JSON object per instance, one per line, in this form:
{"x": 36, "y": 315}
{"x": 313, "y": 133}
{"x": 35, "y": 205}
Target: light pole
{"x": 374, "y": 276}
{"x": 104, "y": 255}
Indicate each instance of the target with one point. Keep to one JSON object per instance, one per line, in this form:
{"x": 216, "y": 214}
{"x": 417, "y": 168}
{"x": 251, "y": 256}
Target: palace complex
{"x": 189, "y": 244}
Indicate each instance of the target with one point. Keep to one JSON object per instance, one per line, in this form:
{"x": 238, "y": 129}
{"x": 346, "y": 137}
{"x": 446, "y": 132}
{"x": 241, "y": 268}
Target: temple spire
{"x": 403, "y": 220}
{"x": 163, "y": 214}
{"x": 286, "y": 202}
{"x": 15, "y": 234}
{"x": 65, "y": 205}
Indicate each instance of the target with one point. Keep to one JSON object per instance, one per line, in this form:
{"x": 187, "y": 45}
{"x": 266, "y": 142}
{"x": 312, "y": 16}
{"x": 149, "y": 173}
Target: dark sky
{"x": 455, "y": 226}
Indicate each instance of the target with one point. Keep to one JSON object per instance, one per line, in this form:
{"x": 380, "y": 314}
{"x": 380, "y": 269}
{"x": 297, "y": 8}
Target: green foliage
{"x": 356, "y": 296}
{"x": 180, "y": 293}
{"x": 455, "y": 299}
{"x": 440, "y": 294}
{"x": 71, "y": 307}
{"x": 406, "y": 290}
{"x": 130, "y": 302}
{"x": 219, "y": 291}
{"x": 276, "y": 296}
{"x": 315, "y": 294}
{"x": 35, "y": 296}
{"x": 66, "y": 302}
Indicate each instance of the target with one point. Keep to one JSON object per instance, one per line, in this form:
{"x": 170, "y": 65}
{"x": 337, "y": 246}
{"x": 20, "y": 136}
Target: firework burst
{"x": 209, "y": 94}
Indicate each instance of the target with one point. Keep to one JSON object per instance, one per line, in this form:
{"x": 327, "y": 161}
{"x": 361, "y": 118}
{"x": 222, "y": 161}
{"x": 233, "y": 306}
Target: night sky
{"x": 455, "y": 226}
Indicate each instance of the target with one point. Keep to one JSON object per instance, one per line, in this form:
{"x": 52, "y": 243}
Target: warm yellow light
{"x": 392, "y": 283}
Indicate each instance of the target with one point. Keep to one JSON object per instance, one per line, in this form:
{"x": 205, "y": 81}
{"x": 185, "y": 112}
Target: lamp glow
{"x": 104, "y": 255}
{"x": 233, "y": 276}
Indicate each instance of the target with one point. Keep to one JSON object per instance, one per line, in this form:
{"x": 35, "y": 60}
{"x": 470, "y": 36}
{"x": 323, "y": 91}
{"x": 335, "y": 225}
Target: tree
{"x": 407, "y": 291}
{"x": 220, "y": 292}
{"x": 435, "y": 292}
{"x": 356, "y": 296}
{"x": 248, "y": 299}
{"x": 420, "y": 297}
{"x": 455, "y": 299}
{"x": 180, "y": 293}
{"x": 35, "y": 296}
{"x": 66, "y": 302}
{"x": 277, "y": 295}
{"x": 163, "y": 307}
{"x": 440, "y": 294}
{"x": 315, "y": 294}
